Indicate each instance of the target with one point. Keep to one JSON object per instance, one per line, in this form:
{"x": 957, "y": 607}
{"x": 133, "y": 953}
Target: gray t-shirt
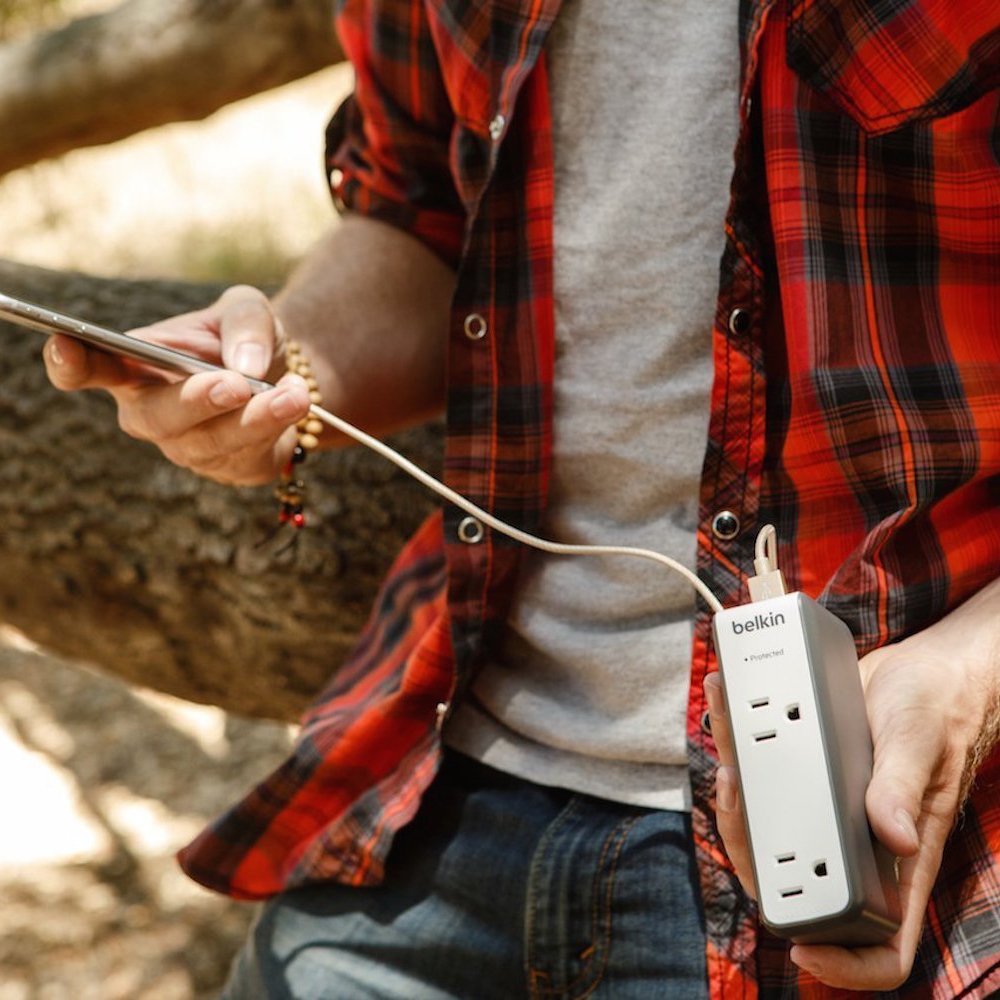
{"x": 589, "y": 688}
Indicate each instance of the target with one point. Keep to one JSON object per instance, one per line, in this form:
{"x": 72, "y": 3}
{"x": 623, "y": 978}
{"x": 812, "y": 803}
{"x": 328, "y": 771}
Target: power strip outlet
{"x": 804, "y": 756}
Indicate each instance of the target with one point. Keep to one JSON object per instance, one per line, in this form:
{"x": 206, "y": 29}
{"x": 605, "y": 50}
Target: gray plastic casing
{"x": 814, "y": 769}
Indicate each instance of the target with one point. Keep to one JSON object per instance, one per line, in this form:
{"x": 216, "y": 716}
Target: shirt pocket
{"x": 890, "y": 64}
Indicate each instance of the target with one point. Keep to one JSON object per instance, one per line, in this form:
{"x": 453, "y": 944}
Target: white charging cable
{"x": 556, "y": 548}
{"x": 50, "y": 322}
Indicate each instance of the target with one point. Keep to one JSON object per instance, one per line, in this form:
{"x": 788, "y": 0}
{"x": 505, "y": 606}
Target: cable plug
{"x": 768, "y": 581}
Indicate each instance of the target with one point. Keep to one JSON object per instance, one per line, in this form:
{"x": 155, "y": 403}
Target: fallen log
{"x": 110, "y": 554}
{"x": 149, "y": 62}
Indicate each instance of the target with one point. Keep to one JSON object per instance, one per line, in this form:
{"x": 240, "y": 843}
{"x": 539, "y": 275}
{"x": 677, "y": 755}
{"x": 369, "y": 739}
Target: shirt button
{"x": 475, "y": 326}
{"x": 470, "y": 531}
{"x": 706, "y": 723}
{"x": 441, "y": 714}
{"x": 739, "y": 321}
{"x": 725, "y": 525}
{"x": 336, "y": 179}
{"x": 497, "y": 124}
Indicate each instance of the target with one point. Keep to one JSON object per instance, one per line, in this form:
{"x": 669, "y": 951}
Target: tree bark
{"x": 149, "y": 62}
{"x": 110, "y": 554}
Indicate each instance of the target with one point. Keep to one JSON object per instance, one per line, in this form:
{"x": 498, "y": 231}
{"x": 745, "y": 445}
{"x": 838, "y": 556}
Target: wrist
{"x": 960, "y": 655}
{"x": 982, "y": 747}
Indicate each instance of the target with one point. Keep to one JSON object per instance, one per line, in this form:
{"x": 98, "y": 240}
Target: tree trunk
{"x": 110, "y": 554}
{"x": 149, "y": 62}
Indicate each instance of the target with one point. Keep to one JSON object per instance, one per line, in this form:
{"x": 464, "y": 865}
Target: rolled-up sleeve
{"x": 387, "y": 146}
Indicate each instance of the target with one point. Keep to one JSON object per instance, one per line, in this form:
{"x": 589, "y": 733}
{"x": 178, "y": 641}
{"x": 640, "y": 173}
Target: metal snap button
{"x": 475, "y": 326}
{"x": 336, "y": 179}
{"x": 470, "y": 531}
{"x": 725, "y": 525}
{"x": 739, "y": 321}
{"x": 497, "y": 124}
{"x": 441, "y": 714}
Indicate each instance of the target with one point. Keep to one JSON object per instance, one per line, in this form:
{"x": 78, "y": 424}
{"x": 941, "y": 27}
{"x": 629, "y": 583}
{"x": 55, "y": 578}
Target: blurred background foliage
{"x": 19, "y": 16}
{"x": 236, "y": 197}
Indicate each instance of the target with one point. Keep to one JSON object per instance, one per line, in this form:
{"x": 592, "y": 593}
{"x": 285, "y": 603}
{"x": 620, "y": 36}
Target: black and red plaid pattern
{"x": 856, "y": 404}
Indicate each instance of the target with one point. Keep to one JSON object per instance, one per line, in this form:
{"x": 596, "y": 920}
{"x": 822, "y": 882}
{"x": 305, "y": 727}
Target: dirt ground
{"x": 99, "y": 783}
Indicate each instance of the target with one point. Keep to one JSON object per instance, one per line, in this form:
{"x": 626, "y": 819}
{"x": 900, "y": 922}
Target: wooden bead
{"x": 290, "y": 491}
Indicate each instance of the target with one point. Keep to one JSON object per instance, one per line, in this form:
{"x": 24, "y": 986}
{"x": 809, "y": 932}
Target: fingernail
{"x": 285, "y": 405}
{"x": 223, "y": 395}
{"x": 55, "y": 355}
{"x": 905, "y": 822}
{"x": 725, "y": 790}
{"x": 806, "y": 964}
{"x": 249, "y": 359}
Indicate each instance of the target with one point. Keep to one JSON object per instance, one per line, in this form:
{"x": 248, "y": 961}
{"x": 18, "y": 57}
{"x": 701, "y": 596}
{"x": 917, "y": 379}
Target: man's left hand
{"x": 932, "y": 703}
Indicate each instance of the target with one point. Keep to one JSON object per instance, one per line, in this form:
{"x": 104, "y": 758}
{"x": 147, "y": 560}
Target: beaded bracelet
{"x": 291, "y": 490}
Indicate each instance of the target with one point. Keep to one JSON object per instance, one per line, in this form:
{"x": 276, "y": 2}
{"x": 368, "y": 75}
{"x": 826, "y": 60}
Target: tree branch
{"x": 149, "y": 62}
{"x": 110, "y": 554}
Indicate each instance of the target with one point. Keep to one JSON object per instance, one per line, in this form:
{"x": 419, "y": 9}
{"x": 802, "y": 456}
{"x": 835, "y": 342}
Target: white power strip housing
{"x": 804, "y": 756}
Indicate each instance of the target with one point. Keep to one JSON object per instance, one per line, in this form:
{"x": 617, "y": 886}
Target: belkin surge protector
{"x": 804, "y": 756}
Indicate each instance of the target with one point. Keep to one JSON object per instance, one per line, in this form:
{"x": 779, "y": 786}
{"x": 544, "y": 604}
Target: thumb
{"x": 247, "y": 329}
{"x": 906, "y": 761}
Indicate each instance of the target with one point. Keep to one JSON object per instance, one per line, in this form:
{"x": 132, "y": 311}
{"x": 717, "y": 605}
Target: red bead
{"x": 299, "y": 520}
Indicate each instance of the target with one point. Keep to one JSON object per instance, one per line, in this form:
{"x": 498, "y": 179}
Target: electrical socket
{"x": 804, "y": 758}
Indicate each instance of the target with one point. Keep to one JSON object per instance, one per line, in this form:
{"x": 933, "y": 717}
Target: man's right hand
{"x": 210, "y": 422}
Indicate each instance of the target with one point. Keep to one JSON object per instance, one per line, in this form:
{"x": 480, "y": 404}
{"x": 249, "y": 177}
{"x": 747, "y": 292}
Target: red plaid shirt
{"x": 856, "y": 402}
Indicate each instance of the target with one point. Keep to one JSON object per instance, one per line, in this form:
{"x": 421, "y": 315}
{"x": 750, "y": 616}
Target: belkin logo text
{"x": 759, "y": 622}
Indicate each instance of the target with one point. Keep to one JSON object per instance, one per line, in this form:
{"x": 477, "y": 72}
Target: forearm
{"x": 369, "y": 305}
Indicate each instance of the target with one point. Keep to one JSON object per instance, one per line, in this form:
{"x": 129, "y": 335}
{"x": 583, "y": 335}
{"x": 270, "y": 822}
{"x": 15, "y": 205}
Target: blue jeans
{"x": 498, "y": 889}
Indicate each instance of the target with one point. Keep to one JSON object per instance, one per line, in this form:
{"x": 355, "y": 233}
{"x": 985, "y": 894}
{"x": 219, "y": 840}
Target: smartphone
{"x": 46, "y": 321}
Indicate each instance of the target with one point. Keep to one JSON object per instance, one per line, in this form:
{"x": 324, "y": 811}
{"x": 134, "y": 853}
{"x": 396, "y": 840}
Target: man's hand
{"x": 370, "y": 305}
{"x": 932, "y": 706}
{"x": 209, "y": 422}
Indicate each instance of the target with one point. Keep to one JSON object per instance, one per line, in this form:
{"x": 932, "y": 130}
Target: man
{"x": 529, "y": 205}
